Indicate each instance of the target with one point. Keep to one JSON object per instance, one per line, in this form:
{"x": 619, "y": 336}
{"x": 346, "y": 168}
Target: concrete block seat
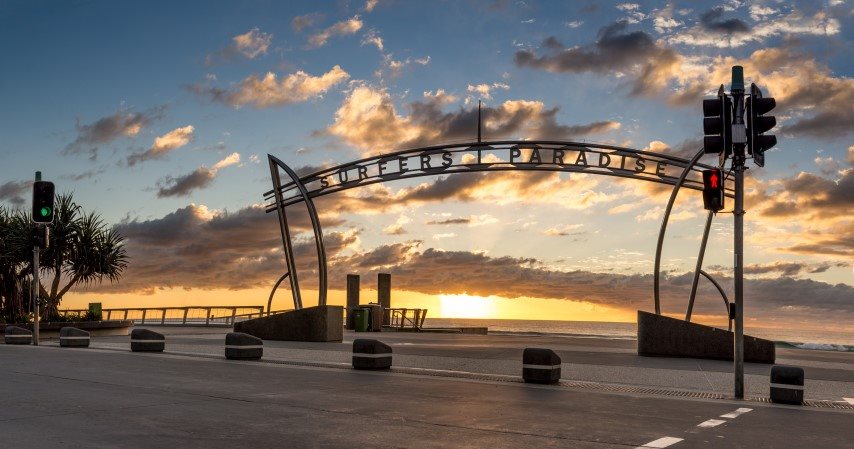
{"x": 240, "y": 346}
{"x": 540, "y": 365}
{"x": 71, "y": 337}
{"x": 371, "y": 354}
{"x": 18, "y": 336}
{"x": 787, "y": 384}
{"x": 144, "y": 340}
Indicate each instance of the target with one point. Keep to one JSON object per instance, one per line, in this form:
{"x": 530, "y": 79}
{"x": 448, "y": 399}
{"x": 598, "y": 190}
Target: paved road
{"x": 830, "y": 375}
{"x": 56, "y": 397}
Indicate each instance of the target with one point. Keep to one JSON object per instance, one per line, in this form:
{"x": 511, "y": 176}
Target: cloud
{"x": 713, "y": 32}
{"x": 565, "y": 230}
{"x": 270, "y": 91}
{"x": 470, "y": 221}
{"x": 393, "y": 67}
{"x": 196, "y": 247}
{"x": 433, "y": 271}
{"x": 396, "y": 228}
{"x": 712, "y": 21}
{"x": 370, "y": 5}
{"x": 195, "y": 180}
{"x": 368, "y": 119}
{"x": 484, "y": 91}
{"x": 615, "y": 50}
{"x": 343, "y": 28}
{"x": 250, "y": 45}
{"x": 783, "y": 268}
{"x": 372, "y": 38}
{"x": 107, "y": 129}
{"x": 13, "y": 192}
{"x": 300, "y": 23}
{"x": 850, "y": 157}
{"x": 163, "y": 145}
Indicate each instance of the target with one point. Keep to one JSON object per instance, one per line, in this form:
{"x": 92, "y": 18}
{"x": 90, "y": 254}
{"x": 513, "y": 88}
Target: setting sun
{"x": 466, "y": 306}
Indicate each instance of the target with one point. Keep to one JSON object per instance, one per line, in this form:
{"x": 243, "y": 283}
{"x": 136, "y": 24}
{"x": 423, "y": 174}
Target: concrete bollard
{"x": 240, "y": 346}
{"x": 787, "y": 384}
{"x": 371, "y": 354}
{"x": 144, "y": 340}
{"x": 18, "y": 336}
{"x": 71, "y": 337}
{"x": 540, "y": 366}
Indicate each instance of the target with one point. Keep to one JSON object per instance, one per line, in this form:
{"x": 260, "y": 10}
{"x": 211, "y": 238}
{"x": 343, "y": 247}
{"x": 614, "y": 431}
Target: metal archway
{"x": 473, "y": 157}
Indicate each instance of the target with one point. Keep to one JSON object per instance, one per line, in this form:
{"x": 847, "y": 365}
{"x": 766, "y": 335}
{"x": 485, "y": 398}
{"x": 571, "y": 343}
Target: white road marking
{"x": 849, "y": 400}
{"x": 711, "y": 423}
{"x": 545, "y": 367}
{"x": 662, "y": 442}
{"x": 736, "y": 413}
{"x": 787, "y": 386}
{"x": 364, "y": 355}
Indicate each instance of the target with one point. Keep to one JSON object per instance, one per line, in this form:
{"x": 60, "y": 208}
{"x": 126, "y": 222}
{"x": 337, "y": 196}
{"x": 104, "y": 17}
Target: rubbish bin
{"x": 362, "y": 319}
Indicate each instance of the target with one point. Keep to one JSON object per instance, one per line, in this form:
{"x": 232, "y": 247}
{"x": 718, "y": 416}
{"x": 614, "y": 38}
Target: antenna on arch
{"x": 478, "y": 121}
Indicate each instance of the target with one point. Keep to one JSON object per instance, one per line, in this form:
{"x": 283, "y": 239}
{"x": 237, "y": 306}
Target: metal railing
{"x": 401, "y": 318}
{"x": 200, "y": 315}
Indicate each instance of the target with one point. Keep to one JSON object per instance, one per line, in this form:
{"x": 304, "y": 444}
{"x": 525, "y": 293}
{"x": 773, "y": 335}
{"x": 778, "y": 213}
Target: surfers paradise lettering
{"x": 485, "y": 157}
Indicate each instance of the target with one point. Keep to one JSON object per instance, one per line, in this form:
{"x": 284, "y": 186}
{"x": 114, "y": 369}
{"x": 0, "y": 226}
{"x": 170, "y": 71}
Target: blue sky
{"x": 159, "y": 115}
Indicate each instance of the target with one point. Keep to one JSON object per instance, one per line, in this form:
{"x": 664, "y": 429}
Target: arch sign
{"x": 486, "y": 156}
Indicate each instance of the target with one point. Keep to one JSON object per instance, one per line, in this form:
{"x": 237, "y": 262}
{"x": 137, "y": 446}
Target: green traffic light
{"x": 45, "y": 211}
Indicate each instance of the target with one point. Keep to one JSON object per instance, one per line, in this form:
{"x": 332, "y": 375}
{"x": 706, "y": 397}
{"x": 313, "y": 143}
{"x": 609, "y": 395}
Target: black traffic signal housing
{"x": 758, "y": 123}
{"x": 717, "y": 124}
{"x": 713, "y": 189}
{"x": 43, "y": 192}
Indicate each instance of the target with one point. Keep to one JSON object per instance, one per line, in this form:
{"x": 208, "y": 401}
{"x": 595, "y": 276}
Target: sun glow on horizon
{"x": 466, "y": 306}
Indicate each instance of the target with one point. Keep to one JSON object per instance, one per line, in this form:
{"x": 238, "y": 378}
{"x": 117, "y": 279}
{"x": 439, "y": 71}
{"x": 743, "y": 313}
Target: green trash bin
{"x": 362, "y": 319}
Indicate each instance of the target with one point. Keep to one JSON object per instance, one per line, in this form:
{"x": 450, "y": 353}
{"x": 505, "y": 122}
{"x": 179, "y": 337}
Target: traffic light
{"x": 713, "y": 189}
{"x": 758, "y": 123}
{"x": 717, "y": 124}
{"x": 43, "y": 202}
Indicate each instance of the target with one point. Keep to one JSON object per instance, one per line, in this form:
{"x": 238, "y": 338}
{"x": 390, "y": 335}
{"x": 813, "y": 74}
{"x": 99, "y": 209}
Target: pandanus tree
{"x": 82, "y": 250}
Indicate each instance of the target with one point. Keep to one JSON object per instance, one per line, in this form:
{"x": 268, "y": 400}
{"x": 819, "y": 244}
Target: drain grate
{"x": 613, "y": 388}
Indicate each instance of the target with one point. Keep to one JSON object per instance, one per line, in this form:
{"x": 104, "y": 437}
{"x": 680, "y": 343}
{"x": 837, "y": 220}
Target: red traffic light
{"x": 713, "y": 189}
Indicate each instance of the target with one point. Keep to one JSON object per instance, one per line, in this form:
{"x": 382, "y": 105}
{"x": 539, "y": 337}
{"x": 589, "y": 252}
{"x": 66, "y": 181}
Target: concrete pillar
{"x": 352, "y": 299}
{"x": 384, "y": 295}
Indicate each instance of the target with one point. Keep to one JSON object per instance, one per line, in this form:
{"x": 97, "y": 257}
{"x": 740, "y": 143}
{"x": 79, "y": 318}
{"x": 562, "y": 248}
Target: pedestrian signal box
{"x": 713, "y": 189}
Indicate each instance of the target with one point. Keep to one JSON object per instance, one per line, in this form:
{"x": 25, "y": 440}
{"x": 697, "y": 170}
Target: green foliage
{"x": 82, "y": 250}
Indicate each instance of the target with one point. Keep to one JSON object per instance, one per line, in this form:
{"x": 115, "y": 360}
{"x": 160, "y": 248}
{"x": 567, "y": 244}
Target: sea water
{"x": 800, "y": 338}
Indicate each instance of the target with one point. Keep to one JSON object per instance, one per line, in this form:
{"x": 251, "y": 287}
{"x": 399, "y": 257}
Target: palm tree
{"x": 82, "y": 250}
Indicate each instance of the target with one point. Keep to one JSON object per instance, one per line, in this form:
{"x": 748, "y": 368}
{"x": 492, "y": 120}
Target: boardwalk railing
{"x": 401, "y": 318}
{"x": 206, "y": 315}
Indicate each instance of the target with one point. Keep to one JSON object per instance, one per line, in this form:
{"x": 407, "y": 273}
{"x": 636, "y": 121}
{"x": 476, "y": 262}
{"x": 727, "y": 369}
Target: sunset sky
{"x": 160, "y": 116}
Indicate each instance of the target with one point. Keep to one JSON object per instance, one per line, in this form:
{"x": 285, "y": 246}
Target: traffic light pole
{"x": 739, "y": 154}
{"x": 36, "y": 254}
{"x": 738, "y": 213}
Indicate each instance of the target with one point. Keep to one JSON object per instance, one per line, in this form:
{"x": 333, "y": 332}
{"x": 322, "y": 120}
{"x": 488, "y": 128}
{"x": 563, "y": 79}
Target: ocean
{"x": 804, "y": 339}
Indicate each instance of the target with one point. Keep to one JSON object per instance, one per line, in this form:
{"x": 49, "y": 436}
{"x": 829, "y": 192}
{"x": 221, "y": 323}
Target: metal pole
{"x": 699, "y": 265}
{"x": 655, "y": 273}
{"x": 738, "y": 352}
{"x": 739, "y": 140}
{"x": 36, "y": 253}
{"x": 286, "y": 235}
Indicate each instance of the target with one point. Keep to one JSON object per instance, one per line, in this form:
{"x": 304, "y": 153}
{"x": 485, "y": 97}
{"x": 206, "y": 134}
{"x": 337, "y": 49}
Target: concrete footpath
{"x": 190, "y": 396}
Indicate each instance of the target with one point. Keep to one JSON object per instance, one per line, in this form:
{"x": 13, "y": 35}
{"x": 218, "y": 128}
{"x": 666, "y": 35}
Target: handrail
{"x": 185, "y": 318}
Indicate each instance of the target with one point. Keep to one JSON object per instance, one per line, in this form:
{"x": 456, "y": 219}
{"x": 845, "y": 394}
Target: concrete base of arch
{"x": 659, "y": 335}
{"x": 319, "y": 323}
